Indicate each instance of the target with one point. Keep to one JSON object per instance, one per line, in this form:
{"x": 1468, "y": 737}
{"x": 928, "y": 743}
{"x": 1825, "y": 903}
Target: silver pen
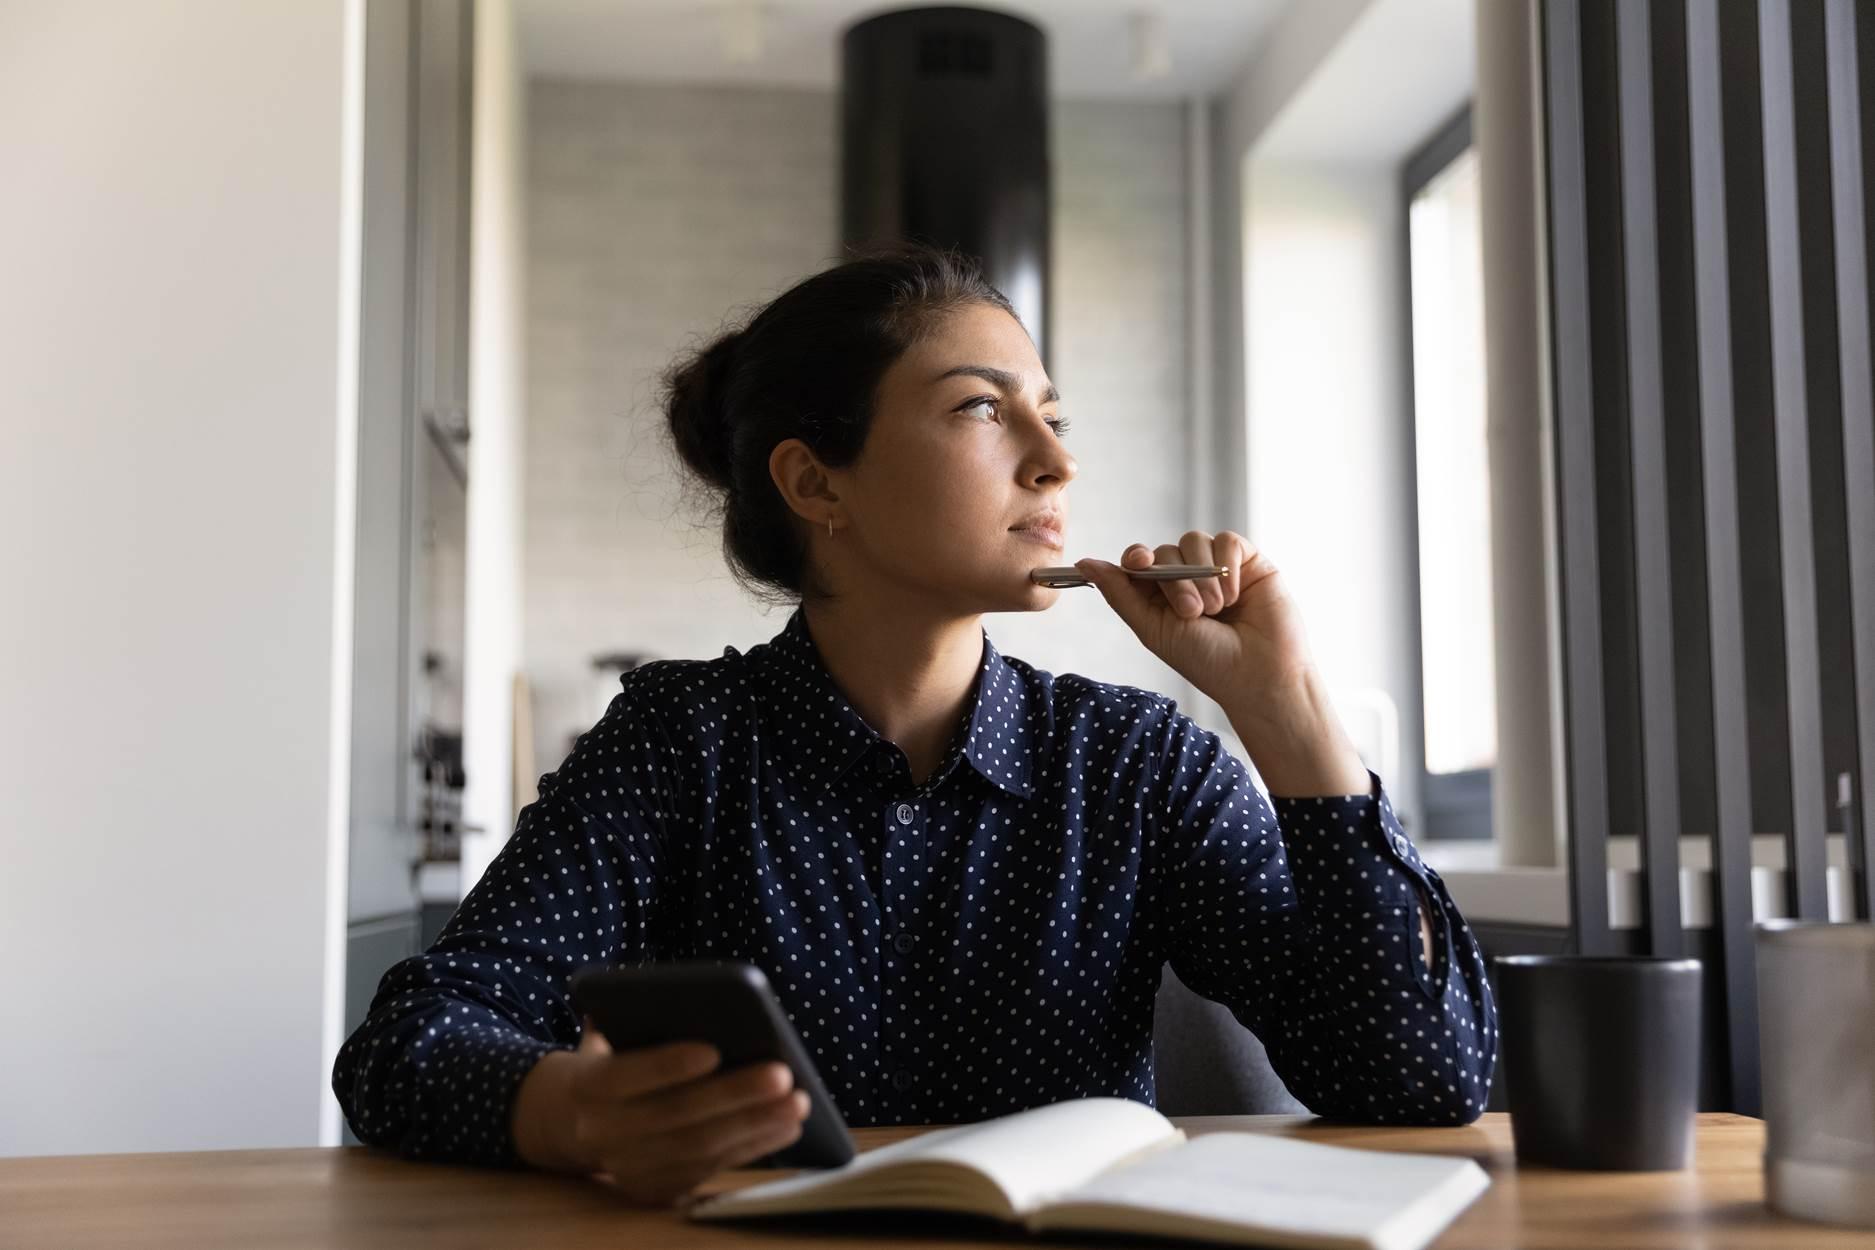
{"x": 1067, "y": 575}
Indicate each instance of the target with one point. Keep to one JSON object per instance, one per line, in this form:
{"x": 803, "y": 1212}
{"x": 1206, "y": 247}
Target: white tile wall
{"x": 656, "y": 211}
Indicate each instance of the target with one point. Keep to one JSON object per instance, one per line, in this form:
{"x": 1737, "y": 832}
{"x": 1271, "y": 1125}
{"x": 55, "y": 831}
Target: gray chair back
{"x": 1205, "y": 1063}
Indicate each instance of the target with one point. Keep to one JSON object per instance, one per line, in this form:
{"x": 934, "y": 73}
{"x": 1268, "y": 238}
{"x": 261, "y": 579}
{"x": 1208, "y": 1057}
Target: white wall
{"x": 179, "y": 245}
{"x": 1283, "y": 60}
{"x": 1529, "y": 799}
{"x": 656, "y": 211}
{"x": 1329, "y": 431}
{"x": 1312, "y": 323}
{"x": 492, "y": 628}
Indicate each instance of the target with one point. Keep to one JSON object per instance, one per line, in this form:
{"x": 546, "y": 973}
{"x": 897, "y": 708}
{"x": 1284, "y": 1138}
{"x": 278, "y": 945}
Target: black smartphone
{"x": 731, "y": 1006}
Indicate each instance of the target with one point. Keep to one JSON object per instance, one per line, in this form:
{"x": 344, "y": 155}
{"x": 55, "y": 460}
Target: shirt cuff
{"x": 1350, "y": 849}
{"x": 472, "y": 1079}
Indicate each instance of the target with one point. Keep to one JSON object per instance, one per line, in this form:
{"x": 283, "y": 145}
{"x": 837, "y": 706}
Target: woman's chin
{"x": 1013, "y": 586}
{"x": 1037, "y": 597}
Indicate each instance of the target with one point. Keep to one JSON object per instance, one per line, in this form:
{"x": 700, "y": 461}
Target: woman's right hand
{"x": 658, "y": 1120}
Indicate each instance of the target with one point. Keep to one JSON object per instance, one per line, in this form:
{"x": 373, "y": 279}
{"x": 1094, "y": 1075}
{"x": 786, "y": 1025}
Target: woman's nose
{"x": 1062, "y": 465}
{"x": 1070, "y": 467}
{"x": 1044, "y": 458}
{"x": 1052, "y": 461}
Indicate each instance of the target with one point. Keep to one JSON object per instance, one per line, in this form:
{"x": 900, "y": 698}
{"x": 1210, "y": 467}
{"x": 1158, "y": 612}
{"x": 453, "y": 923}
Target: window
{"x": 1452, "y": 481}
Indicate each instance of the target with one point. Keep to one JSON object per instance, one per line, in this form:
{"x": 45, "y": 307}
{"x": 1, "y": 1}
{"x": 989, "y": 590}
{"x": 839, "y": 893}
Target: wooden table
{"x": 361, "y": 1199}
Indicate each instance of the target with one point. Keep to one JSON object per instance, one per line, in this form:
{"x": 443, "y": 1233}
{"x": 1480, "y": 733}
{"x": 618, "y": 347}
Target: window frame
{"x": 1456, "y": 806}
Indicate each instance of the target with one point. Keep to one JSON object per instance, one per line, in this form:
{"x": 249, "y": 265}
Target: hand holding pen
{"x": 1216, "y": 610}
{"x": 1210, "y": 605}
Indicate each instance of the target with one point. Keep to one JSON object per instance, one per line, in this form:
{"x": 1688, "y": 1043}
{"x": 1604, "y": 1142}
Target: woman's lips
{"x": 1042, "y": 534}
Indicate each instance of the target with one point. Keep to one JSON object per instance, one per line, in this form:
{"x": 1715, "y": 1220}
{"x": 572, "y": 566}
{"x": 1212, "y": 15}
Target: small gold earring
{"x": 829, "y": 527}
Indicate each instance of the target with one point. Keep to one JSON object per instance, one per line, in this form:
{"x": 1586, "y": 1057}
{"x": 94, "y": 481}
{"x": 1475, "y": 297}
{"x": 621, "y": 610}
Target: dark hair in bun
{"x": 805, "y": 366}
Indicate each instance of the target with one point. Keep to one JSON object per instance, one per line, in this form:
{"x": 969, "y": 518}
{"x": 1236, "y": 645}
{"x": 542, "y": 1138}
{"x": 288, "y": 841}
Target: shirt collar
{"x": 997, "y": 744}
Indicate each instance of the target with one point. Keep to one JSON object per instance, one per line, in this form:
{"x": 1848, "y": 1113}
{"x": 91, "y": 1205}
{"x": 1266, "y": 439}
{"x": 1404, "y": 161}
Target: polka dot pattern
{"x": 988, "y": 940}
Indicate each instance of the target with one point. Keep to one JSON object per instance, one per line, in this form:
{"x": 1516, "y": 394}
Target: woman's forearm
{"x": 1301, "y": 750}
{"x": 1296, "y": 741}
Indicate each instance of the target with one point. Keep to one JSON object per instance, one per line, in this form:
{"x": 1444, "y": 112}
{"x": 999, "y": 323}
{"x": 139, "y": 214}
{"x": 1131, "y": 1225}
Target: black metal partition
{"x": 1734, "y": 979}
{"x": 1851, "y": 83}
{"x": 1709, "y": 169}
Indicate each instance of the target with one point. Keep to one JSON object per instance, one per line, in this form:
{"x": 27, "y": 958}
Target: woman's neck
{"x": 909, "y": 675}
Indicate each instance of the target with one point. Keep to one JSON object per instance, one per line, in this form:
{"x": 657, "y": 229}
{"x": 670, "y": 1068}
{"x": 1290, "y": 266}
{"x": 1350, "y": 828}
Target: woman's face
{"x": 961, "y": 487}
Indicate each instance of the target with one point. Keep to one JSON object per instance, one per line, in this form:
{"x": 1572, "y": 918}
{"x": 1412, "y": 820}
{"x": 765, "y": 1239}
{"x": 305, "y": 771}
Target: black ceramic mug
{"x": 1601, "y": 1059}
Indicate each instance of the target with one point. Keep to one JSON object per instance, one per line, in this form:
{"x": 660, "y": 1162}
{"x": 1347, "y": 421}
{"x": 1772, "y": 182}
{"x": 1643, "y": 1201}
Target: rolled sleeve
{"x": 1365, "y": 883}
{"x": 433, "y": 1070}
{"x": 1303, "y": 919}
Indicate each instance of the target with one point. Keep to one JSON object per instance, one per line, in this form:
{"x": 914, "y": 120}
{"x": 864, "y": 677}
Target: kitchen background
{"x": 331, "y": 332}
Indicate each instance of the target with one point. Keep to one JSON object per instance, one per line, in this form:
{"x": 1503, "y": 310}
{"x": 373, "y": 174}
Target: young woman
{"x": 961, "y": 874}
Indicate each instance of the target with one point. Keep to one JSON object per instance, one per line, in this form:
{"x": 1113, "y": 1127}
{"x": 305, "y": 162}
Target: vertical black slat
{"x": 1823, "y": 380}
{"x": 1850, "y": 161}
{"x": 1731, "y": 851}
{"x": 1767, "y": 723}
{"x": 1679, "y": 385}
{"x": 1575, "y": 469}
{"x": 1653, "y": 572}
{"x": 1797, "y": 544}
{"x": 1608, "y": 400}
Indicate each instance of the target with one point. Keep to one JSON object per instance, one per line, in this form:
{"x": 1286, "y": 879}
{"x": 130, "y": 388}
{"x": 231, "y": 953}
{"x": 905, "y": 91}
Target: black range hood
{"x": 945, "y": 141}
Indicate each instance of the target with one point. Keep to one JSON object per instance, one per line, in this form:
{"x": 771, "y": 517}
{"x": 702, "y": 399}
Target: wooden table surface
{"x": 361, "y": 1199}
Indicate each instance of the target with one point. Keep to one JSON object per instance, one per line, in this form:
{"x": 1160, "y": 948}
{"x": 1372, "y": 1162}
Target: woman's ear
{"x": 803, "y": 481}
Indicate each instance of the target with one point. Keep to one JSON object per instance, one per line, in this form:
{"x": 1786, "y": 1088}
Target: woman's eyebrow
{"x": 999, "y": 377}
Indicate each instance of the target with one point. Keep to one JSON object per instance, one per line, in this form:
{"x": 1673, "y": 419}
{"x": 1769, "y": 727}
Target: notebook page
{"x": 1029, "y": 1154}
{"x": 1041, "y": 1152}
{"x": 1313, "y": 1193}
{"x": 810, "y": 1181}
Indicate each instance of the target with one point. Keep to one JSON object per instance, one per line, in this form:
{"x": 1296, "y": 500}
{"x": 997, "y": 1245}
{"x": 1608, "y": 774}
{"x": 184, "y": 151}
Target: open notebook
{"x": 1113, "y": 1165}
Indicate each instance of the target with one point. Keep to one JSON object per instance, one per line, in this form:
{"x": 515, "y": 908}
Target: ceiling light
{"x": 743, "y": 28}
{"x": 1152, "y": 55}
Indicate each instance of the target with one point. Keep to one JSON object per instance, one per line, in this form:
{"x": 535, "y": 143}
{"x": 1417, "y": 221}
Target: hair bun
{"x": 695, "y": 403}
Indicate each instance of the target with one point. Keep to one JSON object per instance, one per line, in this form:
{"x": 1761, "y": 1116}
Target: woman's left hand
{"x": 1238, "y": 638}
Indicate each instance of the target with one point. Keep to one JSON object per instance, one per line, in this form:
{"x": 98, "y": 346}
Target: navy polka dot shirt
{"x": 986, "y": 941}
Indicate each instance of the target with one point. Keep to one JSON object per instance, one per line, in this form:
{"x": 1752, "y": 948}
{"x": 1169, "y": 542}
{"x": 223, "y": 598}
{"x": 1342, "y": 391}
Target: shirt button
{"x": 903, "y": 943}
{"x": 904, "y": 813}
{"x": 902, "y": 1081}
{"x": 1399, "y": 844}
